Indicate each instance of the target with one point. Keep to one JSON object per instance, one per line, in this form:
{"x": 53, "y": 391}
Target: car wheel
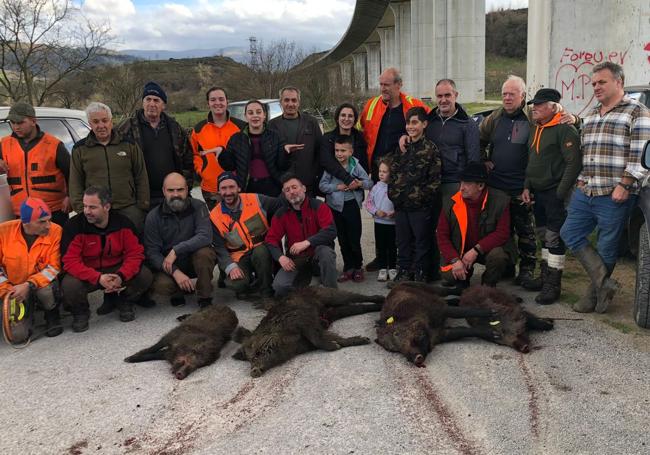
{"x": 642, "y": 291}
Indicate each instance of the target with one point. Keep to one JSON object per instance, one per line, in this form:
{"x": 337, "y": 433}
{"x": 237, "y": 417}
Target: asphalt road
{"x": 584, "y": 388}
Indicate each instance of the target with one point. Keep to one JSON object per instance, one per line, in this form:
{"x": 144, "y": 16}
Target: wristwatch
{"x": 625, "y": 186}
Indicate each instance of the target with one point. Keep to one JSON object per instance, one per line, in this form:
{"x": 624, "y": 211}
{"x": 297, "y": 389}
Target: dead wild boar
{"x": 298, "y": 323}
{"x": 513, "y": 322}
{"x": 195, "y": 343}
{"x": 413, "y": 321}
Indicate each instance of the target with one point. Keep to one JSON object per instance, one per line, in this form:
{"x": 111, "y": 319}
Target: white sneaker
{"x": 392, "y": 273}
{"x": 382, "y": 275}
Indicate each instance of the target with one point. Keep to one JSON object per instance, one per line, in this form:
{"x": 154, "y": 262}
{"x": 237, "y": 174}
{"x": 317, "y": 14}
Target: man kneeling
{"x": 30, "y": 262}
{"x": 178, "y": 244}
{"x": 474, "y": 226}
{"x": 101, "y": 250}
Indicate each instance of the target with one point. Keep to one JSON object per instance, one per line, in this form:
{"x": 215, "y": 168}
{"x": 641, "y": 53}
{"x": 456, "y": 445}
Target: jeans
{"x": 587, "y": 213}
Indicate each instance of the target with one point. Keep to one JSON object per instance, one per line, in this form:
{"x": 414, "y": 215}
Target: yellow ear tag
{"x": 495, "y": 322}
{"x": 390, "y": 320}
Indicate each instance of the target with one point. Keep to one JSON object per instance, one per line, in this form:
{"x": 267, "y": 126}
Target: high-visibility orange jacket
{"x": 205, "y": 136}
{"x": 373, "y": 112}
{"x": 34, "y": 174}
{"x": 40, "y": 265}
{"x": 246, "y": 233}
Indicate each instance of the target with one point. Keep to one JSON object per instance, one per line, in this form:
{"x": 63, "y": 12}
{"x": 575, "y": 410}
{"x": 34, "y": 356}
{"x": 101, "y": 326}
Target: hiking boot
{"x": 177, "y": 300}
{"x": 552, "y": 287}
{"x": 419, "y": 276}
{"x": 204, "y": 302}
{"x": 373, "y": 266}
{"x": 126, "y": 311}
{"x": 53, "y": 322}
{"x": 80, "y": 322}
{"x": 146, "y": 302}
{"x": 535, "y": 284}
{"x": 345, "y": 276}
{"x": 108, "y": 304}
{"x": 383, "y": 275}
{"x": 605, "y": 286}
{"x": 392, "y": 273}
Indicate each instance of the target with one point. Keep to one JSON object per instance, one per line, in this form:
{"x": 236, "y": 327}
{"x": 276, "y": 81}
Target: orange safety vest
{"x": 245, "y": 234}
{"x": 34, "y": 174}
{"x": 205, "y": 136}
{"x": 460, "y": 212}
{"x": 373, "y": 112}
{"x": 40, "y": 264}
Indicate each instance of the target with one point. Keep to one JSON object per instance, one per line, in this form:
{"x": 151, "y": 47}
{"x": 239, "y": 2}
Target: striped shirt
{"x": 612, "y": 145}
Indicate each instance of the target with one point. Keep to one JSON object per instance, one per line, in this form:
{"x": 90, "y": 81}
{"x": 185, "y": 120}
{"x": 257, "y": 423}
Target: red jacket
{"x": 316, "y": 224}
{"x": 86, "y": 249}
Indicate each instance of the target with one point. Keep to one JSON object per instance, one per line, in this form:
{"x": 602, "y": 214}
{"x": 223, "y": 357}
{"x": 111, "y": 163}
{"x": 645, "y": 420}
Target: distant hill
{"x": 506, "y": 33}
{"x": 236, "y": 53}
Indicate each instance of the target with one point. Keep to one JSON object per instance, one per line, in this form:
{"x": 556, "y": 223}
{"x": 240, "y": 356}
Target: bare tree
{"x": 41, "y": 43}
{"x": 121, "y": 87}
{"x": 271, "y": 65}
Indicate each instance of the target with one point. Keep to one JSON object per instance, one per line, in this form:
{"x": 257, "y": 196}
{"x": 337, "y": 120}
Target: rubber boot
{"x": 108, "y": 304}
{"x": 587, "y": 302}
{"x": 599, "y": 275}
{"x": 80, "y": 322}
{"x": 53, "y": 322}
{"x": 126, "y": 310}
{"x": 204, "y": 302}
{"x": 536, "y": 284}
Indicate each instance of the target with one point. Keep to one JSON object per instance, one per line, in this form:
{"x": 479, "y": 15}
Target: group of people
{"x": 444, "y": 192}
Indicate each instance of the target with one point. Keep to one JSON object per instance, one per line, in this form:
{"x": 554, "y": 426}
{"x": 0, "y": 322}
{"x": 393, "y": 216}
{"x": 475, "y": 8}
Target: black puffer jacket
{"x": 237, "y": 156}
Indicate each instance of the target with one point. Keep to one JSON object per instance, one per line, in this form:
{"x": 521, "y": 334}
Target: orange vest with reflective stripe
{"x": 373, "y": 112}
{"x": 207, "y": 137}
{"x": 40, "y": 264}
{"x": 241, "y": 236}
{"x": 460, "y": 213}
{"x": 34, "y": 174}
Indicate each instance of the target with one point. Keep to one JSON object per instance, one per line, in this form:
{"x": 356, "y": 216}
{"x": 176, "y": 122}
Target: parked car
{"x": 68, "y": 125}
{"x": 272, "y": 107}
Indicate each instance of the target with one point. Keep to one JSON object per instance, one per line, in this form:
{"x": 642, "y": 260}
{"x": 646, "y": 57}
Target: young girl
{"x": 382, "y": 210}
{"x": 345, "y": 202}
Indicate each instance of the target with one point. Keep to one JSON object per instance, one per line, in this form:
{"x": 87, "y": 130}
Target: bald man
{"x": 178, "y": 244}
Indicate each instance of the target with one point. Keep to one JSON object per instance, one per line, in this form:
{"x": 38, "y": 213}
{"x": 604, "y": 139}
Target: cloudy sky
{"x": 204, "y": 24}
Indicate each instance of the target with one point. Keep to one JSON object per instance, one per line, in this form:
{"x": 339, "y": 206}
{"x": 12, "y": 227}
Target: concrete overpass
{"x": 434, "y": 39}
{"x": 426, "y": 39}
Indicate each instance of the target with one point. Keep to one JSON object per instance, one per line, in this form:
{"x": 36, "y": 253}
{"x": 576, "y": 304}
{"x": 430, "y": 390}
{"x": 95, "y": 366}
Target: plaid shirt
{"x": 612, "y": 145}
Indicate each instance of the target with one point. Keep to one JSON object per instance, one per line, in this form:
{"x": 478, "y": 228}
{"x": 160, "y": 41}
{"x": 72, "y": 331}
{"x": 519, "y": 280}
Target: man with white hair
{"x": 105, "y": 158}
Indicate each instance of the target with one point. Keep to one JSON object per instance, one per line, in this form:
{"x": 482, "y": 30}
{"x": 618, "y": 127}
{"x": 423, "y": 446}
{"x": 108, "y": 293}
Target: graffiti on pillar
{"x": 573, "y": 76}
{"x": 647, "y": 48}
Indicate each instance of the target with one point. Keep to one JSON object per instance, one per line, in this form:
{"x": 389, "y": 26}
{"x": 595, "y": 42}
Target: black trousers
{"x": 386, "y": 246}
{"x": 550, "y": 213}
{"x": 413, "y": 233}
{"x": 348, "y": 231}
{"x": 266, "y": 186}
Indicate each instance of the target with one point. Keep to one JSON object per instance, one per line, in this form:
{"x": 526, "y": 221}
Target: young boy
{"x": 345, "y": 202}
{"x": 414, "y": 181}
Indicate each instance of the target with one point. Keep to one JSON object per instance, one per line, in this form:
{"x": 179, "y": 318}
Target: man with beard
{"x": 308, "y": 225}
{"x": 101, "y": 251}
{"x": 178, "y": 244}
{"x": 241, "y": 221}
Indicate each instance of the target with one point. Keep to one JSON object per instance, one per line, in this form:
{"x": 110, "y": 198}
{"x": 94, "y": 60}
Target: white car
{"x": 272, "y": 107}
{"x": 68, "y": 125}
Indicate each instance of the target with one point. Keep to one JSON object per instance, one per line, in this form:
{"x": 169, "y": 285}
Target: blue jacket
{"x": 336, "y": 198}
{"x": 457, "y": 139}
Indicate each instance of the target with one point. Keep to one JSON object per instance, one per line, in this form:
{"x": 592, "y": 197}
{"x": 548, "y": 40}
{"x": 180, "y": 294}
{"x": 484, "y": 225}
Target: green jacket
{"x": 119, "y": 166}
{"x": 554, "y": 158}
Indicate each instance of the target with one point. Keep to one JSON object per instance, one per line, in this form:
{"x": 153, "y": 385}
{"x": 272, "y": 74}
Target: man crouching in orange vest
{"x": 37, "y": 164}
{"x": 30, "y": 260}
{"x": 474, "y": 226}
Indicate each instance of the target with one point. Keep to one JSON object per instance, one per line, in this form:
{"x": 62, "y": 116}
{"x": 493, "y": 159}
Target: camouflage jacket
{"x": 414, "y": 176}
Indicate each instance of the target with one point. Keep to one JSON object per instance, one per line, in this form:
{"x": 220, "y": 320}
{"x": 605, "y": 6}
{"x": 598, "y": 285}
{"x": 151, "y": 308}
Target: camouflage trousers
{"x": 523, "y": 226}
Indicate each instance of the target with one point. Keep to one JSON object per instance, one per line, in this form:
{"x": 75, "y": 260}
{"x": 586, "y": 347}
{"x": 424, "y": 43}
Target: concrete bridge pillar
{"x": 359, "y": 60}
{"x": 566, "y": 39}
{"x": 402, "y": 11}
{"x": 334, "y": 77}
{"x": 422, "y": 48}
{"x": 387, "y": 47}
{"x": 346, "y": 68}
{"x": 373, "y": 62}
